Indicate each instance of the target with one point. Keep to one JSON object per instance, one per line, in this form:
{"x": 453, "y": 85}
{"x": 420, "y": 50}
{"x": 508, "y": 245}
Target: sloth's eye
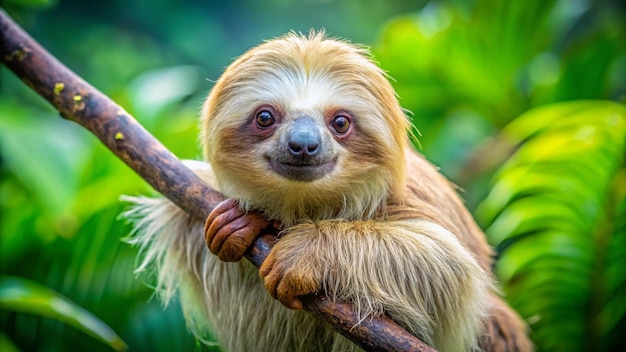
{"x": 341, "y": 124}
{"x": 264, "y": 119}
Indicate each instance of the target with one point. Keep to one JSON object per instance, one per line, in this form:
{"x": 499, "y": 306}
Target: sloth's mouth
{"x": 302, "y": 171}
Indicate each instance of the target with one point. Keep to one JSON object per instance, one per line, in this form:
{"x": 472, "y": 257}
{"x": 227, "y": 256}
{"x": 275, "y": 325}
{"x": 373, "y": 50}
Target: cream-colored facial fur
{"x": 312, "y": 77}
{"x": 379, "y": 226}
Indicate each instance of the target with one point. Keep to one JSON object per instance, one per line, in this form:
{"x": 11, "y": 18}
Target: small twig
{"x": 78, "y": 101}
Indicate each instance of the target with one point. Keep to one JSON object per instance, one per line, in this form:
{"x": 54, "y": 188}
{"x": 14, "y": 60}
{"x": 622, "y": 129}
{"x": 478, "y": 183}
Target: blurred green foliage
{"x": 26, "y": 296}
{"x": 556, "y": 212}
{"x": 548, "y": 186}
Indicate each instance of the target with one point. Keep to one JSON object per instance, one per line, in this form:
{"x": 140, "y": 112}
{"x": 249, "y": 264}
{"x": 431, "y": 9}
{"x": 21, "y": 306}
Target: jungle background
{"x": 519, "y": 102}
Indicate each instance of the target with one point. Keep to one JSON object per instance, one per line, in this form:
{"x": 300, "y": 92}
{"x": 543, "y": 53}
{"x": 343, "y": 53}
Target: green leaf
{"x": 555, "y": 213}
{"x": 28, "y": 297}
{"x": 6, "y": 344}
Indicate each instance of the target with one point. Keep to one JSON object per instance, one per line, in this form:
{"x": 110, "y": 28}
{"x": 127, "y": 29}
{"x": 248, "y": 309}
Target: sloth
{"x": 304, "y": 133}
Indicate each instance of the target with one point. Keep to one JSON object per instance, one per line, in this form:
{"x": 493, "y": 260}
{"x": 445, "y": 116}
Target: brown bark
{"x": 78, "y": 101}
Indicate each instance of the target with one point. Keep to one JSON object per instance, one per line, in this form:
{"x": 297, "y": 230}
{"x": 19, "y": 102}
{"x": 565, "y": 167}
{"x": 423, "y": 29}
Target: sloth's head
{"x": 306, "y": 128}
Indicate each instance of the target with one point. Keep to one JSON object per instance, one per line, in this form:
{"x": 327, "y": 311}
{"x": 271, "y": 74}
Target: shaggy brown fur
{"x": 308, "y": 132}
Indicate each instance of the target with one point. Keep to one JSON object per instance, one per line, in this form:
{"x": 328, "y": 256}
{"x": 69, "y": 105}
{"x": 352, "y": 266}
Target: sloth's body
{"x": 308, "y": 132}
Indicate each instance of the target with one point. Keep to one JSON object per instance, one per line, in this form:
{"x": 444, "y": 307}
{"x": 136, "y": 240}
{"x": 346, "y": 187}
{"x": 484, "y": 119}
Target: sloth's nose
{"x": 303, "y": 144}
{"x": 304, "y": 138}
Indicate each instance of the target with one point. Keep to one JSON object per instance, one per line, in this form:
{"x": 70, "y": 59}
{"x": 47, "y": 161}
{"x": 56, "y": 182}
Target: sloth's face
{"x": 304, "y": 118}
{"x": 303, "y": 143}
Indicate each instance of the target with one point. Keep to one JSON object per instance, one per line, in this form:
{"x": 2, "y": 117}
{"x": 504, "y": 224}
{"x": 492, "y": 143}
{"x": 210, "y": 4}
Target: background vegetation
{"x": 519, "y": 102}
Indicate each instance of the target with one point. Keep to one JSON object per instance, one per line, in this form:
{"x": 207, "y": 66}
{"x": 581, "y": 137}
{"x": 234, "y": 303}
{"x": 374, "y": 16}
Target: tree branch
{"x": 78, "y": 101}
